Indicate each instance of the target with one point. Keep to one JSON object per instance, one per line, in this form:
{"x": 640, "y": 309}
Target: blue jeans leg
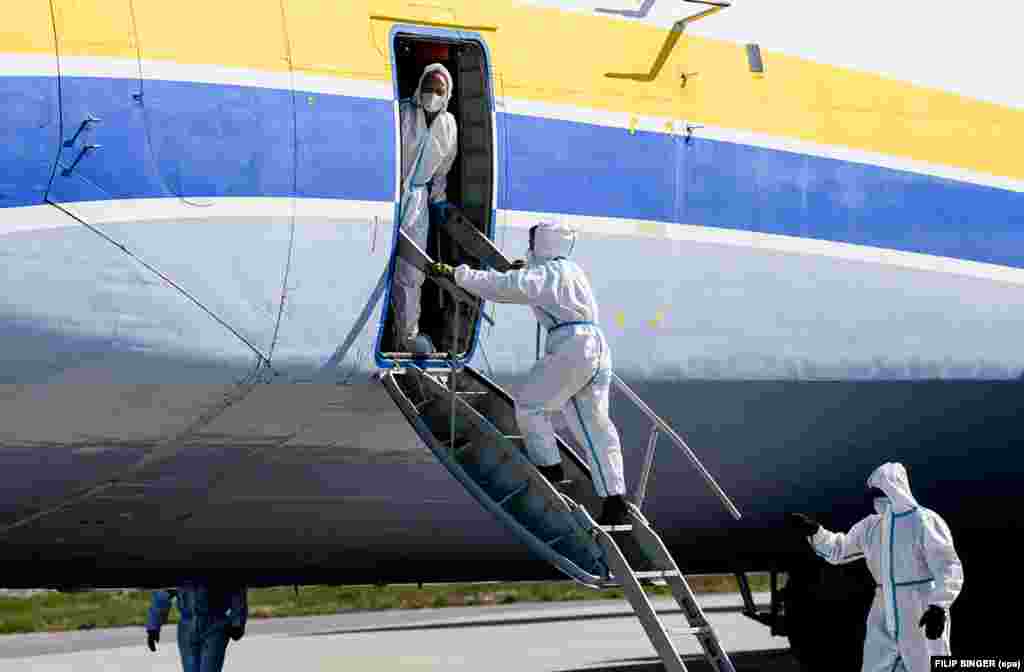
{"x": 214, "y": 649}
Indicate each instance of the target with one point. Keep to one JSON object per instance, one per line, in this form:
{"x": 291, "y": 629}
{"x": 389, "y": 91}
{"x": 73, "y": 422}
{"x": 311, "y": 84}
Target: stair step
{"x": 703, "y": 630}
{"x": 656, "y": 574}
{"x": 518, "y": 491}
{"x": 409, "y": 355}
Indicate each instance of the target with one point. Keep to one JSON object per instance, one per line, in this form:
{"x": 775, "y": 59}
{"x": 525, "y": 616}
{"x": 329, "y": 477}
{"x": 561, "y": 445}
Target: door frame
{"x": 453, "y": 36}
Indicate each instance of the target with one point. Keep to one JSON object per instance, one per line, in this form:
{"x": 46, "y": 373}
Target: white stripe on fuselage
{"x": 334, "y": 212}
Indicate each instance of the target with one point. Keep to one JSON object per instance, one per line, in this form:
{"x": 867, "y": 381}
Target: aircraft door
{"x": 451, "y": 324}
{"x": 476, "y": 137}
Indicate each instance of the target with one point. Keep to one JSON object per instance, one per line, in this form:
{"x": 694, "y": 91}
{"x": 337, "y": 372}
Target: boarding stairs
{"x": 469, "y": 424}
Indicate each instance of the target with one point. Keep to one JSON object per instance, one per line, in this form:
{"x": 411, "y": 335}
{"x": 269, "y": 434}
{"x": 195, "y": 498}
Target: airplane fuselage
{"x": 798, "y": 269}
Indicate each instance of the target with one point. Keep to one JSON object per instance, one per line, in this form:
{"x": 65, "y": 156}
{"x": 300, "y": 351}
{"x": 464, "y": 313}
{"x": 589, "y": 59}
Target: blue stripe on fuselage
{"x": 28, "y": 138}
{"x": 561, "y": 166}
{"x": 193, "y": 140}
{"x": 215, "y": 140}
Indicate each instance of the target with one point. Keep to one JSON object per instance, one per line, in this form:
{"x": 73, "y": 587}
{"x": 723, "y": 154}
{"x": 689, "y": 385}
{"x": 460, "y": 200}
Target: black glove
{"x": 517, "y": 265}
{"x": 236, "y": 632}
{"x": 933, "y": 621}
{"x": 152, "y": 637}
{"x": 437, "y": 269}
{"x": 805, "y": 525}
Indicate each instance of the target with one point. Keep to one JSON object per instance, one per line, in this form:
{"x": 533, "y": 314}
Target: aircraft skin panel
{"x": 873, "y": 36}
{"x": 643, "y": 175}
{"x": 719, "y": 308}
{"x": 30, "y": 134}
{"x": 823, "y": 103}
{"x": 351, "y": 497}
{"x": 784, "y": 286}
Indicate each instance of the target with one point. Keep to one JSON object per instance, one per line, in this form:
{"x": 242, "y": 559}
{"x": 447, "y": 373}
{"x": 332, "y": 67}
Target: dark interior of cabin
{"x": 470, "y": 180}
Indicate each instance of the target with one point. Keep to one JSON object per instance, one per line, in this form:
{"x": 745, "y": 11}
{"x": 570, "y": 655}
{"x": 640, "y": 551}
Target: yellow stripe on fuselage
{"x": 548, "y": 56}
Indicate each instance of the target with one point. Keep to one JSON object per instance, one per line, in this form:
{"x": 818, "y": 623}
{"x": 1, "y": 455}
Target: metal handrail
{"x": 678, "y": 440}
{"x": 645, "y": 472}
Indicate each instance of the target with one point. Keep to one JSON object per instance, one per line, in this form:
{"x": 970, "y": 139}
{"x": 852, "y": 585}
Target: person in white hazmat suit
{"x": 429, "y": 144}
{"x": 909, "y": 550}
{"x": 574, "y": 376}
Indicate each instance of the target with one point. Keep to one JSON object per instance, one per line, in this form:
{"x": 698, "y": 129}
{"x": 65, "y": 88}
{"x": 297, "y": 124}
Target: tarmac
{"x": 551, "y": 637}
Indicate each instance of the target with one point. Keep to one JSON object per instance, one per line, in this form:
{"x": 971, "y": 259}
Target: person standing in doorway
{"x": 429, "y": 144}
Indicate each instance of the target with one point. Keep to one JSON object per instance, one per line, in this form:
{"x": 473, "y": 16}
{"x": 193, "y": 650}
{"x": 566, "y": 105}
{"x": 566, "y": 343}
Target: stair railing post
{"x": 671, "y": 433}
{"x": 645, "y": 474}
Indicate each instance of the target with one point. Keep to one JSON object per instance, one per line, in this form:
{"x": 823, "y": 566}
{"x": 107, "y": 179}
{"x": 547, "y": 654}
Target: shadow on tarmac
{"x": 780, "y": 660}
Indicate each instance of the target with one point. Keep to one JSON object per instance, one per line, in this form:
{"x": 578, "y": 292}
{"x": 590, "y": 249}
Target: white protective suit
{"x": 574, "y": 376}
{"x": 427, "y": 155}
{"x": 909, "y": 550}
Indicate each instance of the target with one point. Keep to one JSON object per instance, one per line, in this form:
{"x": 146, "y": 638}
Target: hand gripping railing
{"x": 660, "y": 426}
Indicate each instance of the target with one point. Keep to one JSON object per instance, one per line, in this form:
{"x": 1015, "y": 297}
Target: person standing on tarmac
{"x": 429, "y": 137}
{"x": 909, "y": 550}
{"x": 574, "y": 376}
{"x": 209, "y": 617}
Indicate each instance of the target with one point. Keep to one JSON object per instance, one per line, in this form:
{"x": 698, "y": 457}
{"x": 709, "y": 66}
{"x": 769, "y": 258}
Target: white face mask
{"x": 431, "y": 102}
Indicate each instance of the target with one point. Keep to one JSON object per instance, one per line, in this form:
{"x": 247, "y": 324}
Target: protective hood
{"x": 891, "y": 478}
{"x": 552, "y": 239}
{"x": 449, "y": 84}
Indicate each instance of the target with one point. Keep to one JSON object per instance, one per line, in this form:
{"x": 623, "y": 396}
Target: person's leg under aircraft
{"x": 214, "y": 649}
{"x": 189, "y": 647}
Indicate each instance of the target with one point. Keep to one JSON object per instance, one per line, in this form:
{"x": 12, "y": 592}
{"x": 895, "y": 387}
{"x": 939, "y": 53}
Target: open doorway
{"x": 470, "y": 183}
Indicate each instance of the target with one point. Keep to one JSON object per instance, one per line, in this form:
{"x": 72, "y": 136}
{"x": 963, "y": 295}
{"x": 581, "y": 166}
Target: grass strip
{"x": 57, "y": 612}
